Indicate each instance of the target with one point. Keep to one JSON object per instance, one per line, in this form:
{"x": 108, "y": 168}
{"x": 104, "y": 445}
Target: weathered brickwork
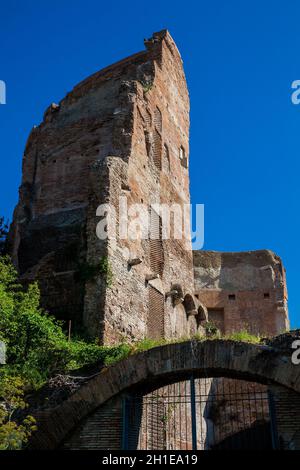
{"x": 121, "y": 137}
{"x": 161, "y": 366}
{"x": 287, "y": 416}
{"x": 123, "y": 132}
{"x": 243, "y": 290}
{"x": 92, "y": 433}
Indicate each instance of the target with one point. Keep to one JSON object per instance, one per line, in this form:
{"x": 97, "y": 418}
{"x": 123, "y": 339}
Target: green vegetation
{"x": 88, "y": 272}
{"x": 38, "y": 349}
{"x": 147, "y": 86}
{"x": 13, "y": 435}
{"x": 212, "y": 332}
{"x": 115, "y": 354}
{"x": 210, "y": 329}
{"x": 244, "y": 336}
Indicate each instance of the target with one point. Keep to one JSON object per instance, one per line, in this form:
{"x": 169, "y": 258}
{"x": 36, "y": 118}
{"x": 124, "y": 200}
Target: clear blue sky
{"x": 240, "y": 58}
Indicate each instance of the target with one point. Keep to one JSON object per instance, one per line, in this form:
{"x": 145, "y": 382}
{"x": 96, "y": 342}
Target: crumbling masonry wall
{"x": 124, "y": 131}
{"x": 244, "y": 290}
{"x": 241, "y": 291}
{"x": 123, "y": 134}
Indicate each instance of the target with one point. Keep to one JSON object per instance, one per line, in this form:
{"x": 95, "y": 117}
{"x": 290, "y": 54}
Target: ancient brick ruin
{"x": 243, "y": 290}
{"x": 124, "y": 133}
{"x": 93, "y": 416}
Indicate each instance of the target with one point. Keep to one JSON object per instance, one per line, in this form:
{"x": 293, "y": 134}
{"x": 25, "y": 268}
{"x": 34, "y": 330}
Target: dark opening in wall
{"x": 182, "y": 157}
{"x": 189, "y": 305}
{"x": 216, "y": 316}
{"x": 202, "y": 316}
{"x": 231, "y": 296}
{"x": 266, "y": 295}
{"x": 66, "y": 259}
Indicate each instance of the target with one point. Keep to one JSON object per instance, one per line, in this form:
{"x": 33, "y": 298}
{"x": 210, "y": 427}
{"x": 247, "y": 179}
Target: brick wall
{"x": 123, "y": 132}
{"x": 100, "y": 431}
{"x": 249, "y": 288}
{"x": 287, "y": 416}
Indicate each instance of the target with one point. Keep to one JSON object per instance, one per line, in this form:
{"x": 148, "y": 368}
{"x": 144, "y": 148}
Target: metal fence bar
{"x": 273, "y": 422}
{"x": 193, "y": 413}
{"x": 224, "y": 414}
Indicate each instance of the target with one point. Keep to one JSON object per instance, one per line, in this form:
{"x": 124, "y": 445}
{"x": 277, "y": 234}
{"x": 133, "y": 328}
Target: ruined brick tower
{"x": 123, "y": 134}
{"x": 124, "y": 131}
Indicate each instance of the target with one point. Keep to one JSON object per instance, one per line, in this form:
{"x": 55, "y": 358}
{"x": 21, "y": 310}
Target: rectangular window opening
{"x": 182, "y": 157}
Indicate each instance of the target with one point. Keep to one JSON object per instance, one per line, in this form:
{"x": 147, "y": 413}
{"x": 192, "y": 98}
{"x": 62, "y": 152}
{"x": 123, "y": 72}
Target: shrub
{"x": 89, "y": 272}
{"x": 13, "y": 435}
{"x": 211, "y": 329}
{"x": 244, "y": 336}
{"x": 37, "y": 348}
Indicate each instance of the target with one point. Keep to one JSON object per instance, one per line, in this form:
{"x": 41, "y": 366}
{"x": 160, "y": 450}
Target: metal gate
{"x": 201, "y": 414}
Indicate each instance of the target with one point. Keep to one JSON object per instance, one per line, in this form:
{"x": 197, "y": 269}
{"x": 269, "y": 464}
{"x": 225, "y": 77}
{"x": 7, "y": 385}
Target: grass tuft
{"x": 116, "y": 353}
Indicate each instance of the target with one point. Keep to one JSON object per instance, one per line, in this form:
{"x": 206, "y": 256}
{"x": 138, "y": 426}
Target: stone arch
{"x": 202, "y": 315}
{"x": 177, "y": 294}
{"x": 165, "y": 365}
{"x": 179, "y": 321}
{"x": 189, "y": 305}
{"x": 190, "y": 308}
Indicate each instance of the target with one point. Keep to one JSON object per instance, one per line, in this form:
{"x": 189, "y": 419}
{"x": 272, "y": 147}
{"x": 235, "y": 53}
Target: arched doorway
{"x": 101, "y": 399}
{"x": 200, "y": 414}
